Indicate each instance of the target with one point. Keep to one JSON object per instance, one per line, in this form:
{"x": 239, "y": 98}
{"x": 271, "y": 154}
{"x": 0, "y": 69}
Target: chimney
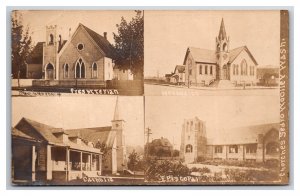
{"x": 105, "y": 35}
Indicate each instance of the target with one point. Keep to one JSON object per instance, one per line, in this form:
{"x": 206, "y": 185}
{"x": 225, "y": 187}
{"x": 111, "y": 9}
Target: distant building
{"x": 259, "y": 143}
{"x": 220, "y": 67}
{"x": 44, "y": 153}
{"x": 268, "y": 76}
{"x": 160, "y": 147}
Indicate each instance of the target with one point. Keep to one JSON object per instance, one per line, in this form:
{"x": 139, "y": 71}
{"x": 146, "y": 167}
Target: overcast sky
{"x": 99, "y": 21}
{"x": 82, "y": 112}
{"x": 169, "y": 33}
{"x": 165, "y": 114}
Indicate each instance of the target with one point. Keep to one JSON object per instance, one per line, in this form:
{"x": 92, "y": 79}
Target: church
{"x": 86, "y": 58}
{"x": 42, "y": 153}
{"x": 257, "y": 143}
{"x": 220, "y": 67}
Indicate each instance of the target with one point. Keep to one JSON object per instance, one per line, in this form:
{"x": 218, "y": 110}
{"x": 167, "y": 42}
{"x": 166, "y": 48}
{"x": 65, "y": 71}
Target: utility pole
{"x": 148, "y": 133}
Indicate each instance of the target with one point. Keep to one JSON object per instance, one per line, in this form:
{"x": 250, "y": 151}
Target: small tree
{"x": 104, "y": 149}
{"x": 129, "y": 45}
{"x": 21, "y": 46}
{"x": 133, "y": 160}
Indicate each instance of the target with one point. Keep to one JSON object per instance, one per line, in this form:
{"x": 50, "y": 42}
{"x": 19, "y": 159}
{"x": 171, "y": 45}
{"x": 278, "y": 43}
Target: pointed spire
{"x": 222, "y": 32}
{"x": 116, "y": 114}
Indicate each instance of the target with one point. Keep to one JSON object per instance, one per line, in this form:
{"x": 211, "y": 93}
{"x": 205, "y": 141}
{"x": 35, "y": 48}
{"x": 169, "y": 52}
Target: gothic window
{"x": 224, "y": 47}
{"x": 189, "y": 148}
{"x": 233, "y": 149}
{"x": 205, "y": 69}
{"x": 94, "y": 70}
{"x": 237, "y": 70}
{"x": 218, "y": 149}
{"x": 66, "y": 70}
{"x": 251, "y": 148}
{"x": 51, "y": 41}
{"x": 80, "y": 69}
{"x": 272, "y": 148}
{"x": 244, "y": 67}
{"x": 211, "y": 70}
{"x": 200, "y": 69}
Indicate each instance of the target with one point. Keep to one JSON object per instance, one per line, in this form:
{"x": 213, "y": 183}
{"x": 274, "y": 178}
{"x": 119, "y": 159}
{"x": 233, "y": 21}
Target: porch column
{"x": 33, "y": 158}
{"x": 90, "y": 161}
{"x": 67, "y": 166}
{"x": 80, "y": 161}
{"x": 100, "y": 163}
{"x": 49, "y": 163}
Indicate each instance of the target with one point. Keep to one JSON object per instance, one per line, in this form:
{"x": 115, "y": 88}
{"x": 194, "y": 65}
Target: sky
{"x": 164, "y": 115}
{"x": 82, "y": 112}
{"x": 169, "y": 33}
{"x": 99, "y": 21}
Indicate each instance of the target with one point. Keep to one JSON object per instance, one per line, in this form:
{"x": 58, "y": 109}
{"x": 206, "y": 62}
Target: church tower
{"x": 118, "y": 125}
{"x": 50, "y": 53}
{"x": 222, "y": 53}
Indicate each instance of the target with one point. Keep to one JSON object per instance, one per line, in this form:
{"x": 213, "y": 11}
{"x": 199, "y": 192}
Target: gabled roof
{"x": 209, "y": 56}
{"x": 242, "y": 135}
{"x": 17, "y": 133}
{"x": 102, "y": 42}
{"x": 202, "y": 55}
{"x": 180, "y": 68}
{"x": 95, "y": 134}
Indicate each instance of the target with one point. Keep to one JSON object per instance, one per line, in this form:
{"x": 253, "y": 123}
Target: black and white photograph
{"x": 98, "y": 52}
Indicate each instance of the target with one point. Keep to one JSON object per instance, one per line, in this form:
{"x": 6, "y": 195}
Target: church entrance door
{"x": 225, "y": 74}
{"x": 50, "y": 72}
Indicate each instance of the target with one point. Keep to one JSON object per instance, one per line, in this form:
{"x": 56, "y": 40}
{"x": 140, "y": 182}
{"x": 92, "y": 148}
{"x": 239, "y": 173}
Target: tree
{"x": 104, "y": 149}
{"x": 21, "y": 46}
{"x": 129, "y": 45}
{"x": 133, "y": 160}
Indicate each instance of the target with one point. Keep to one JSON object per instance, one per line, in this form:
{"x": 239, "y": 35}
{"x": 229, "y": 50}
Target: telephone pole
{"x": 148, "y": 133}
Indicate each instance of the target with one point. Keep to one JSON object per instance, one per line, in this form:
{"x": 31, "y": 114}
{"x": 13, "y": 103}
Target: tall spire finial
{"x": 222, "y": 32}
{"x": 116, "y": 114}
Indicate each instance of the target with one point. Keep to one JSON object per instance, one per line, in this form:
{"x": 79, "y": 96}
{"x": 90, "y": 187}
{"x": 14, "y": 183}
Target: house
{"x": 268, "y": 75}
{"x": 44, "y": 153}
{"x": 258, "y": 143}
{"x": 161, "y": 147}
{"x": 221, "y": 67}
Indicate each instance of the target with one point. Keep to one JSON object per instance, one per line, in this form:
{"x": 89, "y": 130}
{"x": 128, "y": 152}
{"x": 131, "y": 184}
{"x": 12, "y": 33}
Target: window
{"x": 80, "y": 46}
{"x": 218, "y": 149}
{"x": 251, "y": 148}
{"x": 233, "y": 149}
{"x": 234, "y": 68}
{"x": 80, "y": 69}
{"x": 189, "y": 148}
{"x": 205, "y": 69}
{"x": 244, "y": 67}
{"x": 211, "y": 70}
{"x": 66, "y": 71}
{"x": 200, "y": 69}
{"x": 51, "y": 41}
{"x": 190, "y": 72}
{"x": 94, "y": 70}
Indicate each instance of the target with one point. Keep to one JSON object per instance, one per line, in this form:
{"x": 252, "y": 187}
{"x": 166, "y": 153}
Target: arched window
{"x": 272, "y": 148}
{"x": 224, "y": 47}
{"x": 66, "y": 71}
{"x": 80, "y": 69}
{"x": 51, "y": 39}
{"x": 189, "y": 148}
{"x": 94, "y": 70}
{"x": 244, "y": 67}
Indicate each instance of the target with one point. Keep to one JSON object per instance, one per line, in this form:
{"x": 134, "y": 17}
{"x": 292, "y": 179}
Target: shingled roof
{"x": 242, "y": 135}
{"x": 102, "y": 42}
{"x": 95, "y": 134}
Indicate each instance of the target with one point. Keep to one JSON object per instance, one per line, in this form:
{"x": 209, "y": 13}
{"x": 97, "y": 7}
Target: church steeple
{"x": 222, "y": 32}
{"x": 116, "y": 114}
